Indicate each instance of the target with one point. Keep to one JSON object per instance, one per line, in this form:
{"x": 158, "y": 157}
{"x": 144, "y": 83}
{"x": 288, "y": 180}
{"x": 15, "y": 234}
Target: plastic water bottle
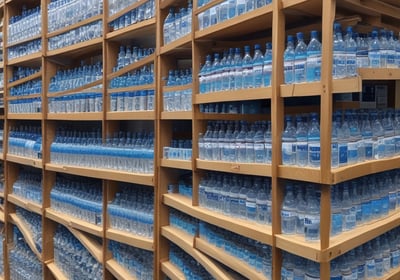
{"x": 204, "y": 76}
{"x": 237, "y": 66}
{"x": 251, "y": 206}
{"x": 301, "y": 142}
{"x": 262, "y": 211}
{"x": 314, "y": 144}
{"x": 378, "y": 137}
{"x": 268, "y": 143}
{"x": 334, "y": 143}
{"x": 312, "y": 217}
{"x": 349, "y": 216}
{"x": 288, "y": 212}
{"x": 362, "y": 52}
{"x": 247, "y": 68}
{"x": 288, "y": 60}
{"x": 384, "y": 48}
{"x": 339, "y": 54}
{"x": 343, "y": 139}
{"x": 351, "y": 53}
{"x": 267, "y": 67}
{"x": 258, "y": 62}
{"x": 216, "y": 80}
{"x": 241, "y": 143}
{"x": 336, "y": 213}
{"x": 289, "y": 143}
{"x": 313, "y": 63}
{"x": 169, "y": 27}
{"x": 374, "y": 51}
{"x": 355, "y": 137}
{"x": 300, "y": 58}
{"x": 240, "y": 7}
{"x": 301, "y": 210}
{"x": 391, "y": 54}
{"x": 397, "y": 47}
{"x": 231, "y": 8}
{"x": 259, "y": 147}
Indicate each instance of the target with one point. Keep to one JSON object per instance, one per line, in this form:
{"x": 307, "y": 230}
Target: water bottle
{"x": 267, "y": 65}
{"x": 374, "y": 51}
{"x": 354, "y": 140}
{"x": 351, "y": 53}
{"x": 314, "y": 145}
{"x": 237, "y": 66}
{"x": 300, "y": 58}
{"x": 288, "y": 61}
{"x": 397, "y": 48}
{"x": 258, "y": 64}
{"x": 301, "y": 210}
{"x": 362, "y": 52}
{"x": 312, "y": 217}
{"x": 334, "y": 143}
{"x": 288, "y": 212}
{"x": 301, "y": 142}
{"x": 384, "y": 48}
{"x": 240, "y": 7}
{"x": 241, "y": 143}
{"x": 247, "y": 69}
{"x": 262, "y": 211}
{"x": 169, "y": 27}
{"x": 339, "y": 54}
{"x": 313, "y": 62}
{"x": 251, "y": 206}
{"x": 343, "y": 139}
{"x": 289, "y": 143}
{"x": 348, "y": 212}
{"x": 336, "y": 212}
{"x": 378, "y": 137}
{"x": 268, "y": 143}
{"x": 204, "y": 76}
{"x": 391, "y": 53}
{"x": 366, "y": 134}
{"x": 259, "y": 147}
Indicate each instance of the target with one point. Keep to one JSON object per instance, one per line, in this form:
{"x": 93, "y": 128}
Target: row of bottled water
{"x": 29, "y": 185}
{"x": 132, "y": 101}
{"x": 143, "y": 12}
{"x": 236, "y": 107}
{"x": 25, "y": 141}
{"x": 256, "y": 254}
{"x": 238, "y": 196}
{"x": 26, "y": 106}
{"x": 179, "y": 77}
{"x": 78, "y": 197}
{"x": 128, "y": 55}
{"x": 21, "y": 72}
{"x": 190, "y": 268}
{"x": 179, "y": 149}
{"x": 67, "y": 79}
{"x": 178, "y": 100}
{"x": 63, "y": 13}
{"x": 121, "y": 152}
{"x": 138, "y": 77}
{"x": 184, "y": 186}
{"x": 139, "y": 262}
{"x": 232, "y": 71}
{"x": 85, "y": 102}
{"x": 72, "y": 258}
{"x": 227, "y": 9}
{"x": 81, "y": 34}
{"x": 24, "y": 49}
{"x": 23, "y": 263}
{"x": 28, "y": 88}
{"x": 183, "y": 222}
{"x": 178, "y": 23}
{"x": 34, "y": 223}
{"x": 132, "y": 210}
{"x": 25, "y": 26}
{"x": 115, "y": 6}
{"x": 236, "y": 142}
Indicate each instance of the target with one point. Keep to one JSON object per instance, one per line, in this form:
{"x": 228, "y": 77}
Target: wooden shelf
{"x": 176, "y": 88}
{"x": 118, "y": 271}
{"x": 177, "y": 115}
{"x": 76, "y": 50}
{"x": 36, "y": 37}
{"x": 30, "y": 60}
{"x": 57, "y": 273}
{"x": 138, "y": 64}
{"x": 176, "y": 163}
{"x": 232, "y": 117}
{"x": 37, "y": 163}
{"x": 37, "y": 75}
{"x": 235, "y": 167}
{"x": 182, "y": 45}
{"x": 69, "y": 221}
{"x": 138, "y": 30}
{"x": 130, "y": 239}
{"x": 85, "y": 88}
{"x": 259, "y": 19}
{"x": 379, "y": 74}
{"x": 23, "y": 203}
{"x": 24, "y": 116}
{"x": 172, "y": 271}
{"x": 26, "y": 232}
{"x": 340, "y": 244}
{"x": 2, "y": 216}
{"x": 22, "y": 97}
{"x": 186, "y": 243}
{"x": 74, "y": 26}
{"x": 251, "y": 230}
{"x": 105, "y": 174}
{"x": 223, "y": 257}
{"x": 95, "y": 249}
{"x": 236, "y": 95}
{"x": 393, "y": 274}
{"x": 134, "y": 88}
{"x": 86, "y": 116}
{"x": 137, "y": 115}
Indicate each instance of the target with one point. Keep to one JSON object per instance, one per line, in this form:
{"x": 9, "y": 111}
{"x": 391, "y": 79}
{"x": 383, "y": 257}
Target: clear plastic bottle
{"x": 288, "y": 60}
{"x": 258, "y": 64}
{"x": 374, "y": 51}
{"x": 314, "y": 143}
{"x": 336, "y": 212}
{"x": 267, "y": 66}
{"x": 237, "y": 66}
{"x": 169, "y": 27}
{"x": 378, "y": 136}
{"x": 300, "y": 58}
{"x": 247, "y": 69}
{"x": 384, "y": 48}
{"x": 289, "y": 143}
{"x": 351, "y": 53}
{"x": 313, "y": 63}
{"x": 312, "y": 217}
{"x": 391, "y": 55}
{"x": 339, "y": 54}
{"x": 301, "y": 142}
{"x": 288, "y": 211}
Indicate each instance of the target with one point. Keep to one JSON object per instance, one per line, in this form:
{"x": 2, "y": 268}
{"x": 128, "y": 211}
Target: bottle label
{"x": 342, "y": 154}
{"x": 395, "y": 258}
{"x": 314, "y": 153}
{"x": 287, "y": 214}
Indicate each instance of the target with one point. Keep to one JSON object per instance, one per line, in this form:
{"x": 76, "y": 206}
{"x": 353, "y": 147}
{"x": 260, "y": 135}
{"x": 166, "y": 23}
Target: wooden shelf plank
{"x": 262, "y": 233}
{"x": 137, "y": 115}
{"x": 77, "y": 49}
{"x": 176, "y": 88}
{"x": 130, "y": 239}
{"x": 90, "y": 87}
{"x": 223, "y": 257}
{"x": 236, "y": 95}
{"x": 379, "y": 73}
{"x": 235, "y": 167}
{"x": 182, "y": 45}
{"x": 186, "y": 243}
{"x": 36, "y": 37}
{"x": 32, "y": 60}
{"x": 69, "y": 221}
{"x": 133, "y": 88}
{"x": 137, "y": 30}
{"x": 37, "y": 163}
{"x": 177, "y": 115}
{"x": 26, "y": 233}
{"x": 74, "y": 26}
{"x": 24, "y": 116}
{"x": 86, "y": 116}
{"x": 23, "y": 203}
{"x": 57, "y": 273}
{"x": 393, "y": 274}
{"x": 105, "y": 174}
{"x": 172, "y": 271}
{"x": 175, "y": 163}
{"x": 232, "y": 117}
{"x": 307, "y": 174}
{"x": 95, "y": 249}
{"x": 22, "y": 97}
{"x": 34, "y": 76}
{"x": 118, "y": 271}
{"x": 138, "y": 64}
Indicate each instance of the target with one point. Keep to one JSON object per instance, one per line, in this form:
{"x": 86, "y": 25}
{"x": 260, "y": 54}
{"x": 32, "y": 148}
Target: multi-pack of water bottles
{"x": 29, "y": 185}
{"x": 179, "y": 149}
{"x": 25, "y": 140}
{"x": 130, "y": 54}
{"x": 90, "y": 101}
{"x": 184, "y": 185}
{"x": 183, "y": 222}
{"x": 179, "y": 99}
{"x": 178, "y": 23}
{"x": 143, "y": 12}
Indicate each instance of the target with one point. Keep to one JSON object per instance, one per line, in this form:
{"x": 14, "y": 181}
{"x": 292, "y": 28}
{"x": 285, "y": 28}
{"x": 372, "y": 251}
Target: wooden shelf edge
{"x": 235, "y": 167}
{"x": 57, "y": 273}
{"x": 86, "y": 87}
{"x": 95, "y": 249}
{"x": 300, "y": 173}
{"x": 172, "y": 271}
{"x": 24, "y": 116}
{"x": 177, "y": 44}
{"x": 131, "y": 28}
{"x": 69, "y": 221}
{"x": 37, "y": 163}
{"x": 118, "y": 270}
{"x": 27, "y": 58}
{"x": 221, "y": 256}
{"x": 132, "y": 88}
{"x": 26, "y": 233}
{"x": 235, "y": 95}
{"x": 242, "y": 227}
{"x": 130, "y": 239}
{"x": 27, "y": 205}
{"x": 93, "y": 116}
{"x": 146, "y": 60}
{"x": 379, "y": 73}
{"x": 78, "y": 46}
{"x": 175, "y": 163}
{"x": 177, "y": 115}
{"x": 26, "y": 79}
{"x": 36, "y": 37}
{"x": 138, "y": 115}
